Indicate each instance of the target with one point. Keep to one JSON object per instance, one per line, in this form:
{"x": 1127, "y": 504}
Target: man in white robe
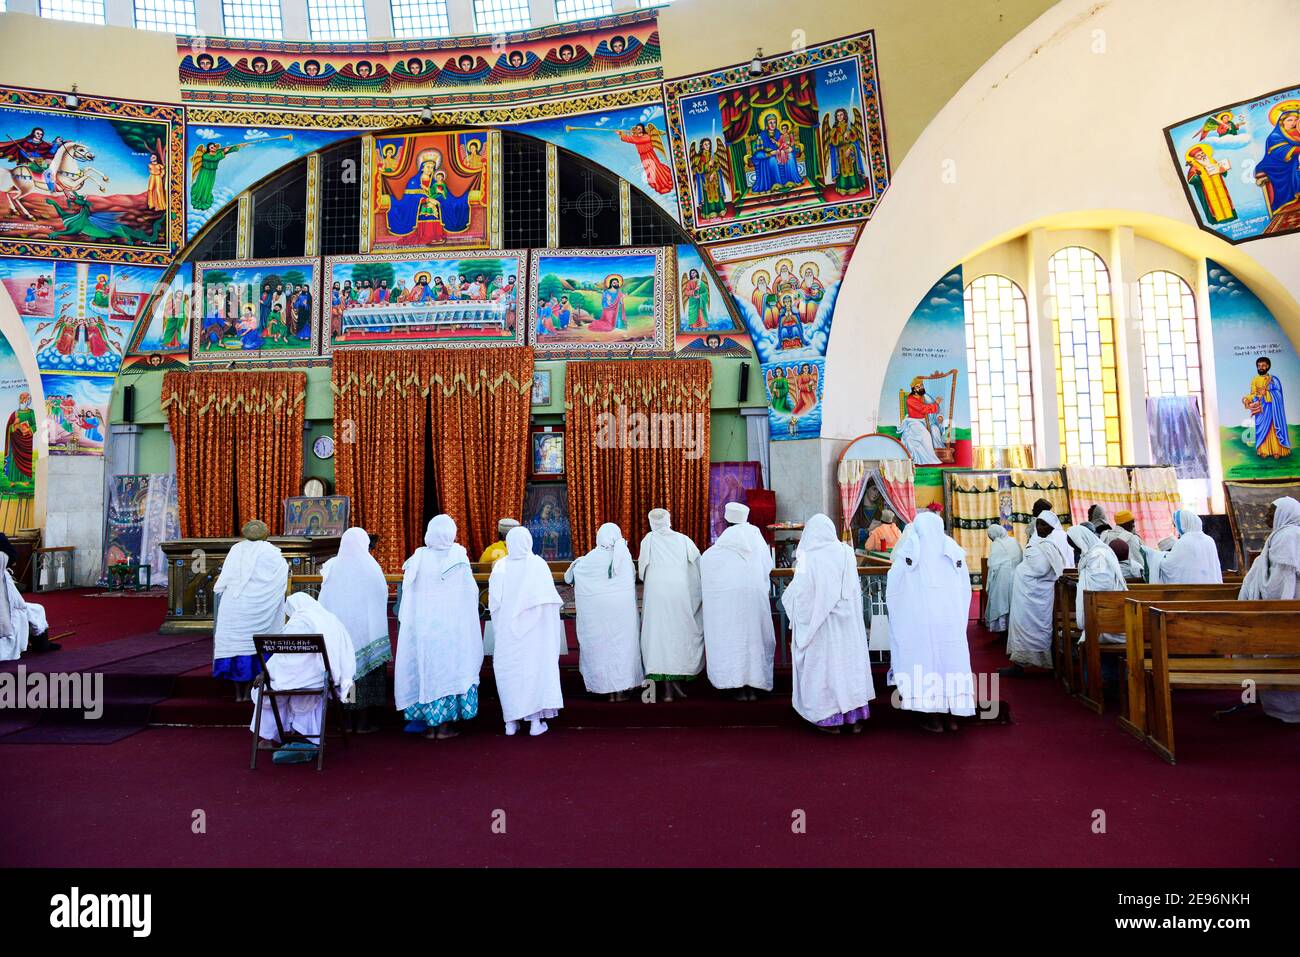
{"x": 735, "y": 581}
{"x": 303, "y": 715}
{"x": 530, "y": 638}
{"x": 1194, "y": 558}
{"x": 1275, "y": 576}
{"x": 1033, "y": 597}
{"x": 439, "y": 642}
{"x": 354, "y": 589}
{"x": 19, "y": 619}
{"x": 672, "y": 628}
{"x": 252, "y": 583}
{"x": 928, "y": 593}
{"x": 609, "y": 640}
{"x": 1004, "y": 555}
{"x": 1124, "y": 532}
{"x": 833, "y": 687}
{"x": 1099, "y": 570}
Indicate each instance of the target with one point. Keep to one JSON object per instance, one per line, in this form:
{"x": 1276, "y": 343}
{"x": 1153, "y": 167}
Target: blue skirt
{"x": 454, "y": 707}
{"x": 237, "y": 668}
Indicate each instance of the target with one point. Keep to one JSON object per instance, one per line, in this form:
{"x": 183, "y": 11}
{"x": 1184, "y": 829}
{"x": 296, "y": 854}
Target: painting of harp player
{"x": 922, "y": 430}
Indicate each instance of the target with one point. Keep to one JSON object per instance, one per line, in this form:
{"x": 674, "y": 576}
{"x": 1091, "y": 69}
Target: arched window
{"x": 1171, "y": 348}
{"x": 1087, "y": 386}
{"x": 997, "y": 363}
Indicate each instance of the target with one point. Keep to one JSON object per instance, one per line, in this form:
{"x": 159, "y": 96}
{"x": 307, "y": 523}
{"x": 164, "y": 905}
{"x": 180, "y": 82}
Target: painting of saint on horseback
{"x": 89, "y": 182}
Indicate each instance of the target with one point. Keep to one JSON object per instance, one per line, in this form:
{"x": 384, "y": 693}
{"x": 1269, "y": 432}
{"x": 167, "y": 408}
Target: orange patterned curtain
{"x": 479, "y": 404}
{"x": 232, "y": 424}
{"x": 624, "y": 456}
{"x": 380, "y": 419}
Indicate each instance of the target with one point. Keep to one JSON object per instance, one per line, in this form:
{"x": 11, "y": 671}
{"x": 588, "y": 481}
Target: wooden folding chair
{"x": 268, "y": 645}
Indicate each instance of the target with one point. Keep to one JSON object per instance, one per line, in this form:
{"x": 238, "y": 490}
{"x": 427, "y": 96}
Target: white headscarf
{"x": 1098, "y": 564}
{"x": 996, "y": 531}
{"x": 821, "y": 557}
{"x": 307, "y": 617}
{"x": 660, "y": 520}
{"x": 353, "y": 588}
{"x": 735, "y": 513}
{"x": 1057, "y": 538}
{"x": 1194, "y": 558}
{"x": 250, "y": 562}
{"x": 6, "y": 612}
{"x": 523, "y": 579}
{"x": 611, "y": 553}
{"x": 1286, "y": 550}
{"x": 928, "y": 552}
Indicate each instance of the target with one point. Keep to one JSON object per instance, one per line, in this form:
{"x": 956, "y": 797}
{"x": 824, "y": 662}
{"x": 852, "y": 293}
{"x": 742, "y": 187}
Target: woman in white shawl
{"x": 1004, "y": 555}
{"x": 529, "y": 635}
{"x": 604, "y": 589}
{"x": 302, "y": 715}
{"x": 354, "y": 589}
{"x": 1275, "y": 576}
{"x": 252, "y": 583}
{"x": 829, "y": 656}
{"x": 1099, "y": 570}
{"x": 928, "y": 595}
{"x": 1194, "y": 559}
{"x": 1033, "y": 595}
{"x": 672, "y": 628}
{"x": 1055, "y": 536}
{"x": 735, "y": 581}
{"x": 18, "y": 618}
{"x": 439, "y": 642}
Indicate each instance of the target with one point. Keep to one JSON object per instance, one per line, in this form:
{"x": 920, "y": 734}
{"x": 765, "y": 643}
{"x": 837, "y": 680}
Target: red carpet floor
{"x": 1023, "y": 794}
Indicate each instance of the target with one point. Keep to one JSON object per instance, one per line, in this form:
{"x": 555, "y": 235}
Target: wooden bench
{"x": 1194, "y": 644}
{"x": 1103, "y": 613}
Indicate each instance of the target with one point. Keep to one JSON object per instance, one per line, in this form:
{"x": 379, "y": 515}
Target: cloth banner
{"x": 899, "y": 488}
{"x": 852, "y": 476}
{"x": 1178, "y": 435}
{"x": 1029, "y": 485}
{"x": 1107, "y": 486}
{"x": 142, "y": 513}
{"x": 729, "y": 482}
{"x": 1247, "y": 504}
{"x": 973, "y": 507}
{"x": 1155, "y": 498}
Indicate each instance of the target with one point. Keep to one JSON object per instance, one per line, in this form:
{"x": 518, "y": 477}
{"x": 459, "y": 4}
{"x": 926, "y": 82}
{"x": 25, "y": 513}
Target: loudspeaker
{"x": 742, "y": 394}
{"x": 128, "y": 404}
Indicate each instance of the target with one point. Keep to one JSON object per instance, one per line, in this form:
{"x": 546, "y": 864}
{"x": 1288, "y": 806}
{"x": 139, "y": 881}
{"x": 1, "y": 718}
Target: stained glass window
{"x": 83, "y": 11}
{"x": 1171, "y": 348}
{"x": 998, "y": 364}
{"x": 172, "y": 16}
{"x": 420, "y": 18}
{"x": 1083, "y": 330}
{"x": 255, "y": 19}
{"x": 337, "y": 20}
{"x": 499, "y": 16}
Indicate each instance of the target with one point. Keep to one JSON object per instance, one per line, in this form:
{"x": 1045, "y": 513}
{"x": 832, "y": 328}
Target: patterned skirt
{"x": 371, "y": 690}
{"x": 672, "y": 677}
{"x": 453, "y": 707}
{"x": 848, "y": 717}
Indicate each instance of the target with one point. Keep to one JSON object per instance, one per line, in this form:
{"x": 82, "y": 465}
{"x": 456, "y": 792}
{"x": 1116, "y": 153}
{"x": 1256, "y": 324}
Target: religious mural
{"x": 598, "y": 301}
{"x": 701, "y": 308}
{"x": 76, "y": 411}
{"x": 162, "y": 336}
{"x": 631, "y": 142}
{"x": 925, "y": 399}
{"x": 448, "y": 300}
{"x": 531, "y": 65}
{"x": 431, "y": 191}
{"x": 546, "y": 516}
{"x": 794, "y": 397}
{"x": 802, "y": 145}
{"x": 1257, "y": 371}
{"x": 1240, "y": 166}
{"x": 142, "y": 513}
{"x": 223, "y": 161}
{"x": 102, "y": 182}
{"x": 17, "y": 412}
{"x": 257, "y": 310}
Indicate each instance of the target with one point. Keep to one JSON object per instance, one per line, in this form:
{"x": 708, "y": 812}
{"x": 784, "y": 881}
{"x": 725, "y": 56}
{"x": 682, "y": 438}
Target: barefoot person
{"x": 604, "y": 589}
{"x": 829, "y": 657}
{"x": 354, "y": 589}
{"x": 672, "y": 631}
{"x": 529, "y": 635}
{"x": 439, "y": 644}
{"x": 739, "y": 641}
{"x": 251, "y": 587}
{"x": 928, "y": 591}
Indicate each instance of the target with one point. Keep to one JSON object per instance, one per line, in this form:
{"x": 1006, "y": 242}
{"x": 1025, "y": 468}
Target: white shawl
{"x": 529, "y": 635}
{"x": 672, "y": 631}
{"x": 1098, "y": 571}
{"x": 1194, "y": 559}
{"x": 739, "y": 640}
{"x": 307, "y": 617}
{"x": 439, "y": 642}
{"x": 1033, "y": 596}
{"x": 1004, "y": 555}
{"x": 830, "y": 660}
{"x": 609, "y": 645}
{"x": 354, "y": 589}
{"x": 252, "y": 583}
{"x": 928, "y": 596}
{"x": 1275, "y": 575}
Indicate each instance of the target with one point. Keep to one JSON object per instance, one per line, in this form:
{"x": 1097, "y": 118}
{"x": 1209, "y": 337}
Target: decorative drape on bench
{"x": 474, "y": 405}
{"x": 624, "y": 456}
{"x": 238, "y": 438}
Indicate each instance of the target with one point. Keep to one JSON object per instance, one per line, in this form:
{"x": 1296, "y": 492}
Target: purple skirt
{"x": 237, "y": 668}
{"x": 848, "y": 717}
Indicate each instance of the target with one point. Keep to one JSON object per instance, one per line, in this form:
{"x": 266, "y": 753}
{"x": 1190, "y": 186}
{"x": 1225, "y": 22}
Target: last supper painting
{"x": 431, "y": 191}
